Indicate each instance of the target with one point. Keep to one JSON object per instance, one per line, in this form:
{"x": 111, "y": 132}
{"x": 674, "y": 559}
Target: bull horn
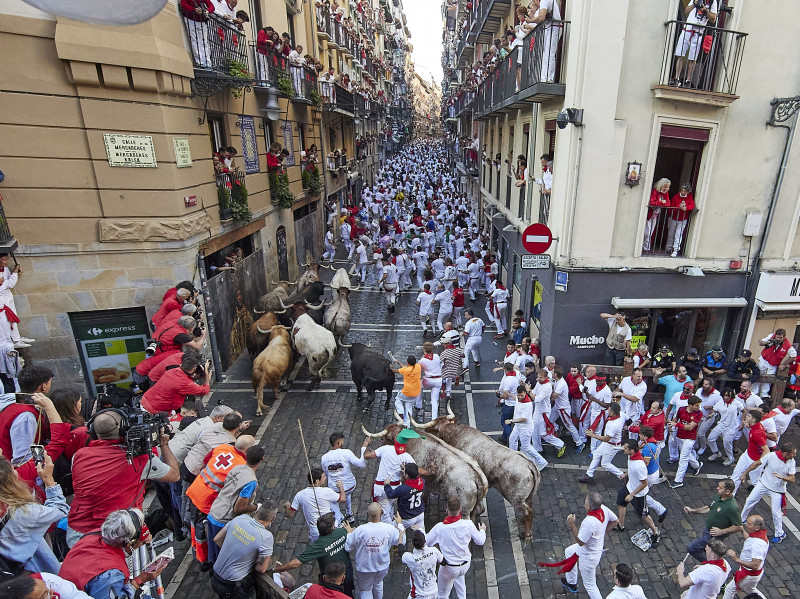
{"x": 323, "y": 266}
{"x": 450, "y": 413}
{"x": 356, "y": 288}
{"x": 284, "y": 306}
{"x": 317, "y": 307}
{"x": 339, "y": 342}
{"x": 374, "y": 435}
{"x": 263, "y": 332}
{"x": 424, "y": 425}
{"x": 259, "y": 311}
{"x": 327, "y": 303}
{"x": 303, "y": 264}
{"x": 399, "y": 418}
{"x": 281, "y": 311}
{"x": 271, "y": 282}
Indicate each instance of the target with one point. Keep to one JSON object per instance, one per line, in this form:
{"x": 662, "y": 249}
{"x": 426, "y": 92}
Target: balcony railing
{"x": 323, "y": 22}
{"x": 237, "y": 195}
{"x": 533, "y": 69}
{"x": 218, "y": 48}
{"x": 464, "y": 102}
{"x": 7, "y": 242}
{"x": 666, "y": 231}
{"x": 336, "y": 97}
{"x": 702, "y": 58}
{"x": 486, "y": 18}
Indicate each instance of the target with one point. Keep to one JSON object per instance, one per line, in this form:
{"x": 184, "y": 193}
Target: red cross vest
{"x": 205, "y": 488}
{"x": 775, "y": 353}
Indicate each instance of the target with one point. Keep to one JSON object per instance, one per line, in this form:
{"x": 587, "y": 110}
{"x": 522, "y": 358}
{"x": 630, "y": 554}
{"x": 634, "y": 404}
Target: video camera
{"x": 144, "y": 432}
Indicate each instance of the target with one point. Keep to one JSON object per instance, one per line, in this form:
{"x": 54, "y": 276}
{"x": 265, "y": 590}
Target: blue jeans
{"x": 615, "y": 357}
{"x": 506, "y": 413}
{"x": 697, "y": 548}
{"x": 213, "y": 548}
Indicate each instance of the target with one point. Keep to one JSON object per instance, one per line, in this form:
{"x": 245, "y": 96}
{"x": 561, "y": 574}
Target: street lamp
{"x": 272, "y": 108}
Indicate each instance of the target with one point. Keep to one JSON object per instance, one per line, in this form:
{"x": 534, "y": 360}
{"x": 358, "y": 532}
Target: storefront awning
{"x": 679, "y": 302}
{"x": 778, "y": 306}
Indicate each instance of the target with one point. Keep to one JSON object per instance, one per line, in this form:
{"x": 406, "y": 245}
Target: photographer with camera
{"x": 778, "y": 352}
{"x": 172, "y": 336}
{"x": 105, "y": 475}
{"x": 21, "y": 423}
{"x": 170, "y": 303}
{"x": 699, "y": 14}
{"x": 169, "y": 393}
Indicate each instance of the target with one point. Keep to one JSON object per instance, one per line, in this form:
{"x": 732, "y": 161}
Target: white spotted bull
{"x": 316, "y": 343}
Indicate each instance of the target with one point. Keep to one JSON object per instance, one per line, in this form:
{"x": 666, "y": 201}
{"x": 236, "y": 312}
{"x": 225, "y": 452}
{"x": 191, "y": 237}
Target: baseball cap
{"x": 665, "y": 348}
{"x": 716, "y": 348}
{"x": 745, "y": 353}
{"x": 692, "y": 352}
{"x": 404, "y": 435}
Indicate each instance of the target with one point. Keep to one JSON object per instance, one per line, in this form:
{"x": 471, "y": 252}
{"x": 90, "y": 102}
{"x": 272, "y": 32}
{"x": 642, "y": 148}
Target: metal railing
{"x": 216, "y": 45}
{"x": 323, "y": 22}
{"x": 666, "y": 230}
{"x": 544, "y": 207}
{"x": 701, "y": 57}
{"x": 478, "y": 22}
{"x": 464, "y": 102}
{"x": 537, "y": 61}
{"x": 5, "y": 232}
{"x": 270, "y": 65}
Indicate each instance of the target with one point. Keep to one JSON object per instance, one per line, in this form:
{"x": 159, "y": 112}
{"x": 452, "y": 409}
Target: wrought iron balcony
{"x": 336, "y": 98}
{"x": 486, "y": 19}
{"x": 701, "y": 64}
{"x": 532, "y": 71}
{"x": 219, "y": 48}
{"x": 7, "y": 242}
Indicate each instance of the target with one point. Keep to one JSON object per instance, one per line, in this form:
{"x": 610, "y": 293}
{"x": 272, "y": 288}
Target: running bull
{"x": 455, "y": 474}
{"x": 272, "y": 365}
{"x": 371, "y": 370}
{"x": 316, "y": 343}
{"x": 514, "y": 476}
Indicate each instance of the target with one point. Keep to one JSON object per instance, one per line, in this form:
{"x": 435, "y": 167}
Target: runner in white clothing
{"x": 523, "y": 423}
{"x": 337, "y": 464}
{"x": 705, "y": 580}
{"x": 611, "y": 442}
{"x": 561, "y": 405}
{"x": 777, "y": 468}
{"x": 453, "y": 537}
{"x": 389, "y": 469}
{"x": 543, "y": 428}
{"x": 473, "y": 330}
{"x": 431, "y": 378}
{"x": 631, "y": 395}
{"x": 751, "y": 561}
{"x": 623, "y": 589}
{"x": 369, "y": 545}
{"x": 315, "y": 501}
{"x": 445, "y": 300}
{"x": 499, "y": 298}
{"x": 425, "y": 303}
{"x": 421, "y": 564}
{"x": 389, "y": 282}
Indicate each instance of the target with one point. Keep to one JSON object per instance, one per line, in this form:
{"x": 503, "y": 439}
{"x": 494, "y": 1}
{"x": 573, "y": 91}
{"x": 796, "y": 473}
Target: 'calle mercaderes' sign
{"x": 130, "y": 150}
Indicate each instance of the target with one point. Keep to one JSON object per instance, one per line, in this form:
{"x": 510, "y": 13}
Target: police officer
{"x": 743, "y": 368}
{"x": 715, "y": 362}
{"x": 664, "y": 359}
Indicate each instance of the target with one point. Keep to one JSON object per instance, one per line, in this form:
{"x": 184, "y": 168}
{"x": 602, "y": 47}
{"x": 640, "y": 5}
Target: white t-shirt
{"x": 592, "y": 533}
{"x": 637, "y": 472}
{"x": 425, "y": 300}
{"x": 371, "y": 542}
{"x": 632, "y": 408}
{"x": 338, "y": 463}
{"x": 389, "y": 467}
{"x": 614, "y": 430}
{"x": 707, "y": 579}
{"x": 541, "y": 397}
{"x": 314, "y": 501}
{"x": 561, "y": 391}
{"x": 62, "y": 589}
{"x": 390, "y": 270}
{"x": 552, "y": 8}
{"x": 730, "y": 413}
{"x": 754, "y": 548}
{"x": 421, "y": 564}
{"x": 453, "y": 539}
{"x": 509, "y": 383}
{"x": 500, "y": 296}
{"x": 782, "y": 420}
{"x": 524, "y": 409}
{"x": 695, "y": 18}
{"x": 361, "y": 252}
{"x": 773, "y": 465}
{"x": 633, "y": 591}
{"x": 707, "y": 402}
{"x": 770, "y": 427}
{"x": 445, "y": 299}
{"x": 431, "y": 367}
{"x": 474, "y": 327}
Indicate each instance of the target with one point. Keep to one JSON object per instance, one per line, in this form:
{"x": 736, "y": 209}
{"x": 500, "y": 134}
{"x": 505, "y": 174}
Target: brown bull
{"x": 271, "y": 302}
{"x": 271, "y": 365}
{"x": 258, "y": 335}
{"x": 455, "y": 474}
{"x": 311, "y": 275}
{"x": 514, "y": 476}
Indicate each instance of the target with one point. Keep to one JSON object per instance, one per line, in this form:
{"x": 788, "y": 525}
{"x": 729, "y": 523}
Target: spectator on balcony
{"x": 219, "y": 167}
{"x": 680, "y": 207}
{"x": 296, "y": 62}
{"x": 287, "y": 45}
{"x": 231, "y": 157}
{"x": 195, "y": 14}
{"x": 264, "y": 45}
{"x": 273, "y": 158}
{"x": 659, "y": 198}
{"x": 546, "y": 182}
{"x": 548, "y": 14}
{"x": 241, "y": 19}
{"x": 522, "y": 171}
{"x": 327, "y": 81}
{"x": 700, "y": 14}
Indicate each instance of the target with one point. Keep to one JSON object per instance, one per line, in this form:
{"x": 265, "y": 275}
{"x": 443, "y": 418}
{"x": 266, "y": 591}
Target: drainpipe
{"x": 782, "y": 109}
{"x": 212, "y": 336}
{"x": 574, "y": 198}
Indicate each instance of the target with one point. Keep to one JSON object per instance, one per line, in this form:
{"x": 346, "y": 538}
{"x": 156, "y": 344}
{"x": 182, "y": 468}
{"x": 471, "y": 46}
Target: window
{"x": 269, "y": 135}
{"x": 216, "y": 132}
{"x": 301, "y": 136}
{"x": 290, "y": 22}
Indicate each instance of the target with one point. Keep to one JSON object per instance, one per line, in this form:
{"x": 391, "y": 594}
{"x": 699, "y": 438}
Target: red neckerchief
{"x": 727, "y": 401}
{"x": 784, "y": 411}
{"x": 761, "y": 534}
{"x": 451, "y": 519}
{"x": 610, "y": 418}
{"x": 684, "y": 396}
{"x": 681, "y": 380}
{"x": 544, "y": 381}
{"x": 636, "y": 456}
{"x": 779, "y": 453}
{"x": 526, "y": 399}
{"x": 744, "y": 397}
{"x": 428, "y": 356}
{"x": 415, "y": 483}
{"x": 717, "y": 562}
{"x": 508, "y": 353}
{"x": 651, "y": 440}
{"x": 426, "y": 291}
{"x": 600, "y": 385}
{"x": 399, "y": 448}
{"x": 599, "y": 514}
{"x": 709, "y": 393}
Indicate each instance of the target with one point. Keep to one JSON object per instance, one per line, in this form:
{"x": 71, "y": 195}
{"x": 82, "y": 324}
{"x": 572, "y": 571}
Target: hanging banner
{"x": 247, "y": 128}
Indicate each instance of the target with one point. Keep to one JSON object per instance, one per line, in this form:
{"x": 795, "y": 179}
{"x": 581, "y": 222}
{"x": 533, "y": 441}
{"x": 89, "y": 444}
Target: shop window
{"x": 517, "y": 273}
{"x": 709, "y": 328}
{"x": 681, "y": 328}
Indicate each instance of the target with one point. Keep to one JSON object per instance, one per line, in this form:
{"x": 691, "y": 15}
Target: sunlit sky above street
{"x": 425, "y": 23}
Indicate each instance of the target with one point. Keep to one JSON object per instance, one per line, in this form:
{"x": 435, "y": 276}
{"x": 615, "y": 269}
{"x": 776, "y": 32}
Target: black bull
{"x": 371, "y": 370}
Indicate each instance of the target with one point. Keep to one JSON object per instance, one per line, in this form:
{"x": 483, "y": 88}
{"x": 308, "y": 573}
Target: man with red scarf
{"x": 756, "y": 448}
{"x": 778, "y": 351}
{"x": 610, "y": 437}
{"x": 409, "y": 497}
{"x": 686, "y": 423}
{"x": 750, "y": 561}
{"x": 635, "y": 491}
{"x": 777, "y": 469}
{"x": 392, "y": 458}
{"x": 706, "y": 579}
{"x": 543, "y": 428}
{"x": 588, "y": 549}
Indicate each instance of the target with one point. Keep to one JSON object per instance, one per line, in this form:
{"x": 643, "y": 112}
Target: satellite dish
{"x": 102, "y": 12}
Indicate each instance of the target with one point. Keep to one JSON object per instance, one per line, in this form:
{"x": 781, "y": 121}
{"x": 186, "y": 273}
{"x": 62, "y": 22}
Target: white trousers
{"x": 297, "y": 80}
{"x": 588, "y": 569}
{"x": 603, "y": 456}
{"x": 457, "y": 319}
{"x": 391, "y": 293}
{"x": 199, "y": 42}
{"x": 747, "y": 585}
{"x": 472, "y": 349}
{"x": 370, "y": 584}
{"x": 387, "y": 505}
{"x": 415, "y": 523}
{"x": 702, "y": 431}
{"x": 742, "y": 465}
{"x": 522, "y": 437}
{"x": 540, "y": 434}
{"x": 727, "y": 434}
{"x": 404, "y": 404}
{"x": 452, "y": 576}
{"x": 435, "y": 385}
{"x": 500, "y": 317}
{"x": 262, "y": 68}
{"x": 675, "y": 229}
{"x": 686, "y": 458}
{"x": 424, "y": 319}
{"x": 652, "y": 503}
{"x": 759, "y": 490}
{"x": 765, "y": 367}
{"x": 8, "y": 335}
{"x": 564, "y": 416}
{"x": 443, "y": 318}
{"x": 330, "y": 250}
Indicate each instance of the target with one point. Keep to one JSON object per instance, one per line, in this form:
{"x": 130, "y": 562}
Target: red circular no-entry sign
{"x": 537, "y": 238}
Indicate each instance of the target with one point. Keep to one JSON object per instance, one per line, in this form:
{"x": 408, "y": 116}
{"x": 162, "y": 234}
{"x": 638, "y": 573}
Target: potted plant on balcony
{"x": 305, "y": 177}
{"x": 281, "y": 194}
{"x": 314, "y": 97}
{"x": 285, "y": 86}
{"x": 315, "y": 185}
{"x": 224, "y": 201}
{"x": 238, "y": 206}
{"x": 239, "y": 71}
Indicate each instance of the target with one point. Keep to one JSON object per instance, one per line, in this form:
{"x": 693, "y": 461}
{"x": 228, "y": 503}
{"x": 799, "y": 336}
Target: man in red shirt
{"x": 756, "y": 449}
{"x": 686, "y": 422}
{"x": 574, "y": 380}
{"x": 170, "y": 391}
{"x": 332, "y": 586}
{"x": 458, "y": 305}
{"x": 174, "y": 302}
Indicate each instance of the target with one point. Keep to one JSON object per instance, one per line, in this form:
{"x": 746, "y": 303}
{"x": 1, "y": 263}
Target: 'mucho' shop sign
{"x": 135, "y": 151}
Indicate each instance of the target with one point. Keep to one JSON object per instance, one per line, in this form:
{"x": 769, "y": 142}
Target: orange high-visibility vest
{"x": 205, "y": 488}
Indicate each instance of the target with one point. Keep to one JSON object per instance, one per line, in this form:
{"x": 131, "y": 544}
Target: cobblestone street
{"x": 503, "y": 567}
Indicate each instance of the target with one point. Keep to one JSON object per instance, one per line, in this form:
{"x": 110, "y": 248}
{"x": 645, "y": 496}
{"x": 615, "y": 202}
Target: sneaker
{"x": 21, "y": 344}
{"x": 562, "y": 450}
{"x": 701, "y": 451}
{"x": 713, "y": 456}
{"x": 465, "y": 371}
{"x": 350, "y": 518}
{"x": 585, "y": 478}
{"x": 697, "y": 470}
{"x": 661, "y": 479}
{"x": 655, "y": 539}
{"x": 591, "y": 455}
{"x": 477, "y": 364}
{"x": 675, "y": 485}
{"x": 661, "y": 518}
{"x": 580, "y": 447}
{"x": 619, "y": 528}
{"x": 674, "y": 254}
{"x": 671, "y": 461}
{"x": 778, "y": 539}
{"x": 499, "y": 335}
{"x": 729, "y": 462}
{"x": 572, "y": 588}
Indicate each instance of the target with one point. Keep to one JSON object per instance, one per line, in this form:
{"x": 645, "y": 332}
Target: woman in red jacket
{"x": 659, "y": 198}
{"x": 680, "y": 207}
